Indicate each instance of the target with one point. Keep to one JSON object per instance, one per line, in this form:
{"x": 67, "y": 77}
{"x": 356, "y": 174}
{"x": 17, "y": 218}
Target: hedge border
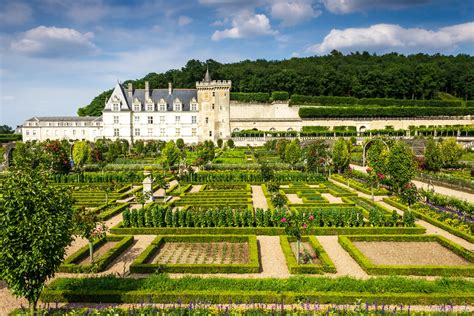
{"x": 430, "y": 220}
{"x": 139, "y": 265}
{"x": 358, "y": 186}
{"x": 426, "y": 270}
{"x": 113, "y": 211}
{"x": 265, "y": 231}
{"x": 101, "y": 263}
{"x": 326, "y": 263}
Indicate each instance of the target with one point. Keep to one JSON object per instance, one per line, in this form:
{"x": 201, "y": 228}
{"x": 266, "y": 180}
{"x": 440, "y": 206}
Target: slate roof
{"x": 65, "y": 118}
{"x": 184, "y": 95}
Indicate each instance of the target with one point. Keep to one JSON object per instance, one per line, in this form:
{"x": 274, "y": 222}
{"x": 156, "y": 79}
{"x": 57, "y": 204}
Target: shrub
{"x": 322, "y": 112}
{"x": 280, "y": 96}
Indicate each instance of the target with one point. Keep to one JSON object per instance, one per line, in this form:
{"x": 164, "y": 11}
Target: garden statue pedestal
{"x": 147, "y": 188}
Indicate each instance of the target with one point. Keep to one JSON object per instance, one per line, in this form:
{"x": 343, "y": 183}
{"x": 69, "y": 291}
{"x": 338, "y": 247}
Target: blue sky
{"x": 56, "y": 55}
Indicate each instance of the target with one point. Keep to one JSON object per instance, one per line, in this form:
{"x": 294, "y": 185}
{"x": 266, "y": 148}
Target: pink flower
{"x": 311, "y": 217}
{"x": 304, "y": 225}
{"x": 283, "y": 220}
{"x": 380, "y": 176}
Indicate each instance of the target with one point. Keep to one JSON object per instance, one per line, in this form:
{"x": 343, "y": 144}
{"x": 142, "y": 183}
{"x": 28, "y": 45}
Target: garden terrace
{"x": 199, "y": 254}
{"x": 313, "y": 258}
{"x": 106, "y": 250}
{"x": 410, "y": 255}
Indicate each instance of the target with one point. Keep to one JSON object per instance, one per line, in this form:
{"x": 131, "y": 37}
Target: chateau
{"x": 195, "y": 115}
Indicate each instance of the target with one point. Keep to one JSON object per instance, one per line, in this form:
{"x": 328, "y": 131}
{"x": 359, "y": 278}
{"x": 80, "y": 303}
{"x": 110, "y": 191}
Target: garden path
{"x": 161, "y": 191}
{"x": 294, "y": 199}
{"x": 344, "y": 263}
{"x": 195, "y": 188}
{"x": 8, "y": 302}
{"x": 377, "y": 198}
{"x": 331, "y": 198}
{"x": 438, "y": 189}
{"x": 258, "y": 198}
{"x": 431, "y": 229}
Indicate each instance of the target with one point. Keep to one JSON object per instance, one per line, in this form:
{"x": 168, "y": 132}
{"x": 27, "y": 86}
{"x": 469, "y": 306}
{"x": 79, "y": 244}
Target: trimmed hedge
{"x": 264, "y": 231}
{"x": 101, "y": 263}
{"x": 342, "y": 290}
{"x": 326, "y": 264}
{"x": 371, "y": 268}
{"x": 140, "y": 264}
{"x": 316, "y": 112}
{"x": 113, "y": 211}
{"x": 358, "y": 185}
{"x": 249, "y": 97}
{"x": 430, "y": 220}
{"x": 280, "y": 96}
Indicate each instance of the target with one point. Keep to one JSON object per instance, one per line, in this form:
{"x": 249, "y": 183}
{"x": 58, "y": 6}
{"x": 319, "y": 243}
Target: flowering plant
{"x": 297, "y": 225}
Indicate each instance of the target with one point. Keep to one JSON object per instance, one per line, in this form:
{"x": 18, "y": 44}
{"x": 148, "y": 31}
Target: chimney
{"x": 170, "y": 88}
{"x": 130, "y": 89}
{"x": 147, "y": 90}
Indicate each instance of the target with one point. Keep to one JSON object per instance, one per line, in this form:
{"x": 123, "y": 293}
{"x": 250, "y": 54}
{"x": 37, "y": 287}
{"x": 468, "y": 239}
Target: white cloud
{"x": 53, "y": 42}
{"x": 292, "y": 12}
{"x": 184, "y": 20}
{"x": 347, "y": 6}
{"x": 246, "y": 25}
{"x": 389, "y": 37}
{"x": 15, "y": 13}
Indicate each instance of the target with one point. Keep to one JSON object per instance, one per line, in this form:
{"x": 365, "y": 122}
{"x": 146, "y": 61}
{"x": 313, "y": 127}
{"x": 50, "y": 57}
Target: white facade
{"x": 195, "y": 115}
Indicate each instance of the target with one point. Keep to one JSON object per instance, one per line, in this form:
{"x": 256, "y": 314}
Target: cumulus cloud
{"x": 15, "y": 13}
{"x": 389, "y": 37}
{"x": 184, "y": 20}
{"x": 51, "y": 42}
{"x": 292, "y": 12}
{"x": 245, "y": 25}
{"x": 348, "y": 6}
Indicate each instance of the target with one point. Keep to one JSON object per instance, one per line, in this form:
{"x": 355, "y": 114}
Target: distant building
{"x": 195, "y": 115}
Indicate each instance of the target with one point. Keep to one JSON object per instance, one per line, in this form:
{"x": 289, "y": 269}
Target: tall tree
{"x": 80, "y": 153}
{"x": 340, "y": 155}
{"x": 315, "y": 155}
{"x": 401, "y": 165}
{"x": 293, "y": 153}
{"x": 170, "y": 155}
{"x": 433, "y": 155}
{"x": 37, "y": 226}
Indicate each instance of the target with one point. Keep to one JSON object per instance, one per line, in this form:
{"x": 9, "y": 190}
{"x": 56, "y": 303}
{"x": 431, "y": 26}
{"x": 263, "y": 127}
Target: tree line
{"x": 360, "y": 75}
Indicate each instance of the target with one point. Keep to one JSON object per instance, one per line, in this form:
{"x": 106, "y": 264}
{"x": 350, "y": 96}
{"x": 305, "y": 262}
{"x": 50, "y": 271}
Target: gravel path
{"x": 8, "y": 302}
{"x": 331, "y": 198}
{"x": 294, "y": 199}
{"x": 344, "y": 263}
{"x": 195, "y": 188}
{"x": 434, "y": 230}
{"x": 272, "y": 261}
{"x": 258, "y": 198}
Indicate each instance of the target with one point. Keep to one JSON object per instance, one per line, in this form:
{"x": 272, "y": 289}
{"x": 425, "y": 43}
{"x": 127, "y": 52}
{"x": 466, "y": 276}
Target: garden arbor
{"x": 365, "y": 148}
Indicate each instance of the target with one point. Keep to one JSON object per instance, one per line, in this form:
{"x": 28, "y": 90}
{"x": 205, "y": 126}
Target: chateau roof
{"x": 65, "y": 119}
{"x": 184, "y": 95}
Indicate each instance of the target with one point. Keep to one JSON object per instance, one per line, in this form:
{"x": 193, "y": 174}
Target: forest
{"x": 359, "y": 75}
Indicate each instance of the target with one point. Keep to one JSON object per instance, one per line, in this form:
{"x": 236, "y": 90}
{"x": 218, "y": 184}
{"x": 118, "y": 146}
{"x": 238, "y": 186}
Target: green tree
{"x": 409, "y": 194}
{"x": 230, "y": 143}
{"x": 401, "y": 165}
{"x": 340, "y": 155}
{"x": 80, "y": 153}
{"x": 451, "y": 152}
{"x": 293, "y": 153}
{"x": 377, "y": 156}
{"x": 87, "y": 225}
{"x": 315, "y": 155}
{"x": 266, "y": 172}
{"x": 170, "y": 155}
{"x": 37, "y": 226}
{"x": 180, "y": 143}
{"x": 433, "y": 155}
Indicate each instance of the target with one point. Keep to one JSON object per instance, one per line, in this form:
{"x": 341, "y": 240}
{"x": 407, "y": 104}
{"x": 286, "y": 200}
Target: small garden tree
{"x": 401, "y": 165}
{"x": 293, "y": 153}
{"x": 451, "y": 152}
{"x": 180, "y": 144}
{"x": 80, "y": 153}
{"x": 409, "y": 194}
{"x": 315, "y": 155}
{"x": 297, "y": 226}
{"x": 230, "y": 143}
{"x": 36, "y": 227}
{"x": 170, "y": 155}
{"x": 433, "y": 155}
{"x": 88, "y": 226}
{"x": 340, "y": 155}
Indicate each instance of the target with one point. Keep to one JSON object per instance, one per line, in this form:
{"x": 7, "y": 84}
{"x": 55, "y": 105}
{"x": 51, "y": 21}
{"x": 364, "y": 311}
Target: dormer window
{"x": 150, "y": 107}
{"x": 162, "y": 105}
{"x": 177, "y": 105}
{"x": 136, "y": 107}
{"x": 194, "y": 107}
{"x": 115, "y": 107}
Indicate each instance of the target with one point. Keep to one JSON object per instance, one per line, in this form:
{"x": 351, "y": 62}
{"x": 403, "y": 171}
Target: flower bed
{"x": 347, "y": 242}
{"x": 71, "y": 265}
{"x": 323, "y": 264}
{"x": 143, "y": 263}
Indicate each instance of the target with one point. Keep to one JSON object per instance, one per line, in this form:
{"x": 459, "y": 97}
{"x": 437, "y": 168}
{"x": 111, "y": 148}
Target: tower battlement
{"x": 214, "y": 84}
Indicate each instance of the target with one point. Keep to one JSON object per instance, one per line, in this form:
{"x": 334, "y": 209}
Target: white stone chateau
{"x": 195, "y": 115}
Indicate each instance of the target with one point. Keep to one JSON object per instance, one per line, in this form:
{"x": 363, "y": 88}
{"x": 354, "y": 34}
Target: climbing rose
{"x": 283, "y": 220}
{"x": 311, "y": 217}
{"x": 304, "y": 225}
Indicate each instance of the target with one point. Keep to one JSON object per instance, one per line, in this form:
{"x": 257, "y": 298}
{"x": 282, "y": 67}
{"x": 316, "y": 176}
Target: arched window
{"x": 272, "y": 129}
{"x": 290, "y": 129}
{"x": 362, "y": 129}
{"x": 236, "y": 130}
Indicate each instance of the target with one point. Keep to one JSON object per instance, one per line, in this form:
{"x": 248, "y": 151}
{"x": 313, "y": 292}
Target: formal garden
{"x": 287, "y": 228}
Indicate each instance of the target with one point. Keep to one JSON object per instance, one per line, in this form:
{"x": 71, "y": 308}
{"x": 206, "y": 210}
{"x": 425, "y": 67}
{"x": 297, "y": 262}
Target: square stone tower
{"x": 214, "y": 108}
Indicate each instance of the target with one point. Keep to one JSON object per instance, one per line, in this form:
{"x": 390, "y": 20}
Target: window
{"x": 162, "y": 132}
{"x": 162, "y": 107}
{"x": 177, "y": 119}
{"x": 193, "y": 107}
{"x": 193, "y": 119}
{"x": 116, "y": 119}
{"x": 193, "y": 131}
{"x": 115, "y": 107}
{"x": 177, "y": 107}
{"x": 213, "y": 106}
{"x": 213, "y": 93}
{"x": 136, "y": 107}
{"x": 34, "y": 133}
{"x": 207, "y": 120}
{"x": 56, "y": 133}
{"x": 178, "y": 132}
{"x": 137, "y": 132}
{"x": 150, "y": 132}
{"x": 150, "y": 120}
{"x": 136, "y": 119}
{"x": 210, "y": 133}
{"x": 162, "y": 120}
{"x": 73, "y": 132}
{"x": 150, "y": 107}
{"x": 83, "y": 132}
{"x": 28, "y": 133}
{"x": 116, "y": 132}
